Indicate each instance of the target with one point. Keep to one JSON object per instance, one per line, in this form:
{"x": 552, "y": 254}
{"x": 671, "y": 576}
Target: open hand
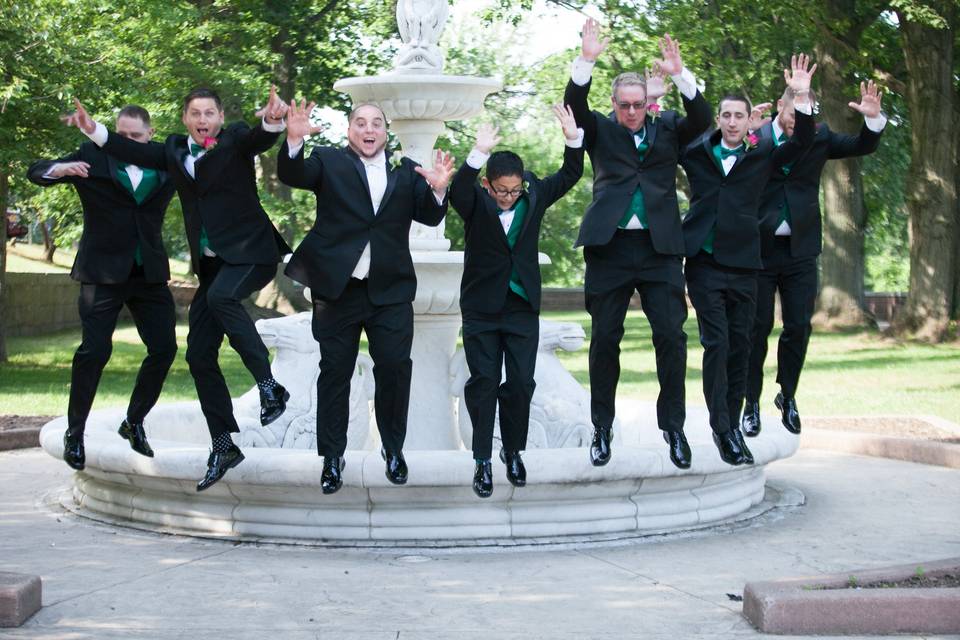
{"x": 80, "y": 119}
{"x": 757, "y": 114}
{"x": 869, "y": 104}
{"x": 487, "y": 138}
{"x": 799, "y": 75}
{"x": 439, "y": 175}
{"x": 298, "y": 121}
{"x": 591, "y": 46}
{"x": 656, "y": 87}
{"x": 671, "y": 63}
{"x": 567, "y": 121}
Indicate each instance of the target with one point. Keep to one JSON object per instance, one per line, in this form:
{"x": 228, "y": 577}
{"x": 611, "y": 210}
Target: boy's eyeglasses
{"x": 507, "y": 192}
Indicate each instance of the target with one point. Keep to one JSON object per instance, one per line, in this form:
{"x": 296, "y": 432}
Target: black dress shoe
{"x": 218, "y": 464}
{"x": 73, "y": 453}
{"x": 516, "y": 472}
{"x": 483, "y": 479}
{"x": 679, "y": 449}
{"x": 600, "y": 447}
{"x": 789, "y": 414}
{"x": 750, "y": 423}
{"x": 332, "y": 477}
{"x": 747, "y": 456}
{"x": 138, "y": 439}
{"x": 729, "y": 448}
{"x": 273, "y": 402}
{"x": 396, "y": 470}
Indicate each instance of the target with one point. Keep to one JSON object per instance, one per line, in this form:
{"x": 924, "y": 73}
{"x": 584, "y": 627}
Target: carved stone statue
{"x": 420, "y": 23}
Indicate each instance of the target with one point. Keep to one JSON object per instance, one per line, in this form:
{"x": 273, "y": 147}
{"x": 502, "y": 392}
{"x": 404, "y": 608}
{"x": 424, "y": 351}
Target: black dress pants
{"x": 493, "y": 342}
{"x": 626, "y": 264}
{"x": 152, "y": 308}
{"x": 796, "y": 280}
{"x": 336, "y": 327}
{"x": 725, "y": 301}
{"x": 217, "y": 310}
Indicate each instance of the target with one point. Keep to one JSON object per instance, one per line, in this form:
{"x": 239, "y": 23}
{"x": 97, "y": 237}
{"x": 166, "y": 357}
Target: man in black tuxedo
{"x": 728, "y": 170}
{"x": 790, "y": 241}
{"x": 500, "y": 289}
{"x": 356, "y": 260}
{"x": 234, "y": 249}
{"x": 120, "y": 261}
{"x": 631, "y": 234}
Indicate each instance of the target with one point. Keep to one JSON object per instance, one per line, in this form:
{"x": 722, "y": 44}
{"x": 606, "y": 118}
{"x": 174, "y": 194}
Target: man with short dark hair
{"x": 500, "y": 289}
{"x": 356, "y": 260}
{"x": 234, "y": 249}
{"x": 631, "y": 235}
{"x": 728, "y": 170}
{"x": 790, "y": 241}
{"x": 120, "y": 262}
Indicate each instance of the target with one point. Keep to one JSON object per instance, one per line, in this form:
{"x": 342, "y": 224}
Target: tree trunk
{"x": 955, "y": 313}
{"x": 931, "y": 181}
{"x": 840, "y": 302}
{"x": 49, "y": 248}
{"x": 4, "y": 198}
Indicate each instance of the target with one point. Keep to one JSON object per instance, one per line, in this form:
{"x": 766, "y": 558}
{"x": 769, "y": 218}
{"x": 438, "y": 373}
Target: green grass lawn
{"x": 851, "y": 373}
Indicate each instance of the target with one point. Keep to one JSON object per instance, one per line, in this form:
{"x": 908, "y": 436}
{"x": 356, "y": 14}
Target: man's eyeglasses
{"x": 503, "y": 193}
{"x": 637, "y": 106}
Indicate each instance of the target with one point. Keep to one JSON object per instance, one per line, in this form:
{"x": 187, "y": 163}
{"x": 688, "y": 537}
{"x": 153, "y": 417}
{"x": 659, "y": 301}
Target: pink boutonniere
{"x": 209, "y": 143}
{"x": 653, "y": 111}
{"x": 751, "y": 141}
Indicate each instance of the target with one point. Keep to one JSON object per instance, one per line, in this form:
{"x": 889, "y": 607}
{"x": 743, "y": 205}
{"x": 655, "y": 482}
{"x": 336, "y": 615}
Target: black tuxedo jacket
{"x": 731, "y": 202}
{"x": 800, "y": 188}
{"x": 488, "y": 259}
{"x": 223, "y": 198}
{"x": 618, "y": 171}
{"x": 113, "y": 223}
{"x": 346, "y": 222}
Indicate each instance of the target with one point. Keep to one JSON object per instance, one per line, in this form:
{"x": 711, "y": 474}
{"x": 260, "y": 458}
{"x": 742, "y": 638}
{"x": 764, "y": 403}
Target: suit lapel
{"x": 708, "y": 145}
{"x": 493, "y": 213}
{"x": 181, "y": 147}
{"x": 531, "y": 207}
{"x": 361, "y": 170}
{"x": 113, "y": 167}
{"x": 652, "y": 128}
{"x": 393, "y": 175}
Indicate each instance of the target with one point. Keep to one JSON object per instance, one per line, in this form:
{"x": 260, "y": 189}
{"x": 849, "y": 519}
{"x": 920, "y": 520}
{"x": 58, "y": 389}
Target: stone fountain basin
{"x": 275, "y": 493}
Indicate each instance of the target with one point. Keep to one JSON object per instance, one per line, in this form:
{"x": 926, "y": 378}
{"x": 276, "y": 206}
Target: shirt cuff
{"x": 875, "y": 124}
{"x": 49, "y": 174}
{"x": 294, "y": 150}
{"x": 273, "y": 128}
{"x": 477, "y": 159}
{"x": 686, "y": 82}
{"x": 99, "y": 135}
{"x": 577, "y": 142}
{"x": 440, "y": 195}
{"x": 806, "y": 109}
{"x": 581, "y": 71}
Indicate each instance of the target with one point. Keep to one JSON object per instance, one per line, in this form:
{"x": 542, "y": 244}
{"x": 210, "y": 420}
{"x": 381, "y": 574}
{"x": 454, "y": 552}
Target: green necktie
{"x": 637, "y": 207}
{"x": 784, "y": 209}
{"x": 519, "y": 213}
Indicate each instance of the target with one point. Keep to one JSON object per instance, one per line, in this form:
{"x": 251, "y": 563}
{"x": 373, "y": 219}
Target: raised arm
{"x": 292, "y": 169}
{"x": 430, "y": 204}
{"x": 698, "y": 113}
{"x": 578, "y": 88}
{"x": 260, "y": 138}
{"x": 555, "y": 186}
{"x": 463, "y": 188}
{"x": 798, "y": 80}
{"x": 149, "y": 155}
{"x": 867, "y": 141}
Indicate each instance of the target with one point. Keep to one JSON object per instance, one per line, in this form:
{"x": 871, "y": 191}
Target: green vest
{"x": 784, "y": 209}
{"x": 519, "y": 213}
{"x": 637, "y": 208}
{"x": 148, "y": 183}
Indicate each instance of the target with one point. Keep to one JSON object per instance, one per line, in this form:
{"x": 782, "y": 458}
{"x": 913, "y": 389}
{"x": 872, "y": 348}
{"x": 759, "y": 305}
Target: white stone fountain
{"x": 274, "y": 494}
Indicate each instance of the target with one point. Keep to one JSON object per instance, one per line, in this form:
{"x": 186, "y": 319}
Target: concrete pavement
{"x": 106, "y": 582}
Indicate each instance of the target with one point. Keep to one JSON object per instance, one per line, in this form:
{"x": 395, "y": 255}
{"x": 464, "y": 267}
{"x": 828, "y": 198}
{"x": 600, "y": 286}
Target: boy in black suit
{"x": 500, "y": 289}
{"x": 356, "y": 260}
{"x": 120, "y": 261}
{"x": 790, "y": 241}
{"x": 728, "y": 170}
{"x": 234, "y": 249}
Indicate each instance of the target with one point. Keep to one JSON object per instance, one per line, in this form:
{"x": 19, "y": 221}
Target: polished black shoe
{"x": 600, "y": 447}
{"x": 679, "y": 449}
{"x": 516, "y": 472}
{"x": 729, "y": 448}
{"x": 789, "y": 414}
{"x": 218, "y": 464}
{"x": 750, "y": 423}
{"x": 273, "y": 402}
{"x": 483, "y": 479}
{"x": 73, "y": 453}
{"x": 396, "y": 470}
{"x": 747, "y": 456}
{"x": 332, "y": 477}
{"x": 138, "y": 439}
